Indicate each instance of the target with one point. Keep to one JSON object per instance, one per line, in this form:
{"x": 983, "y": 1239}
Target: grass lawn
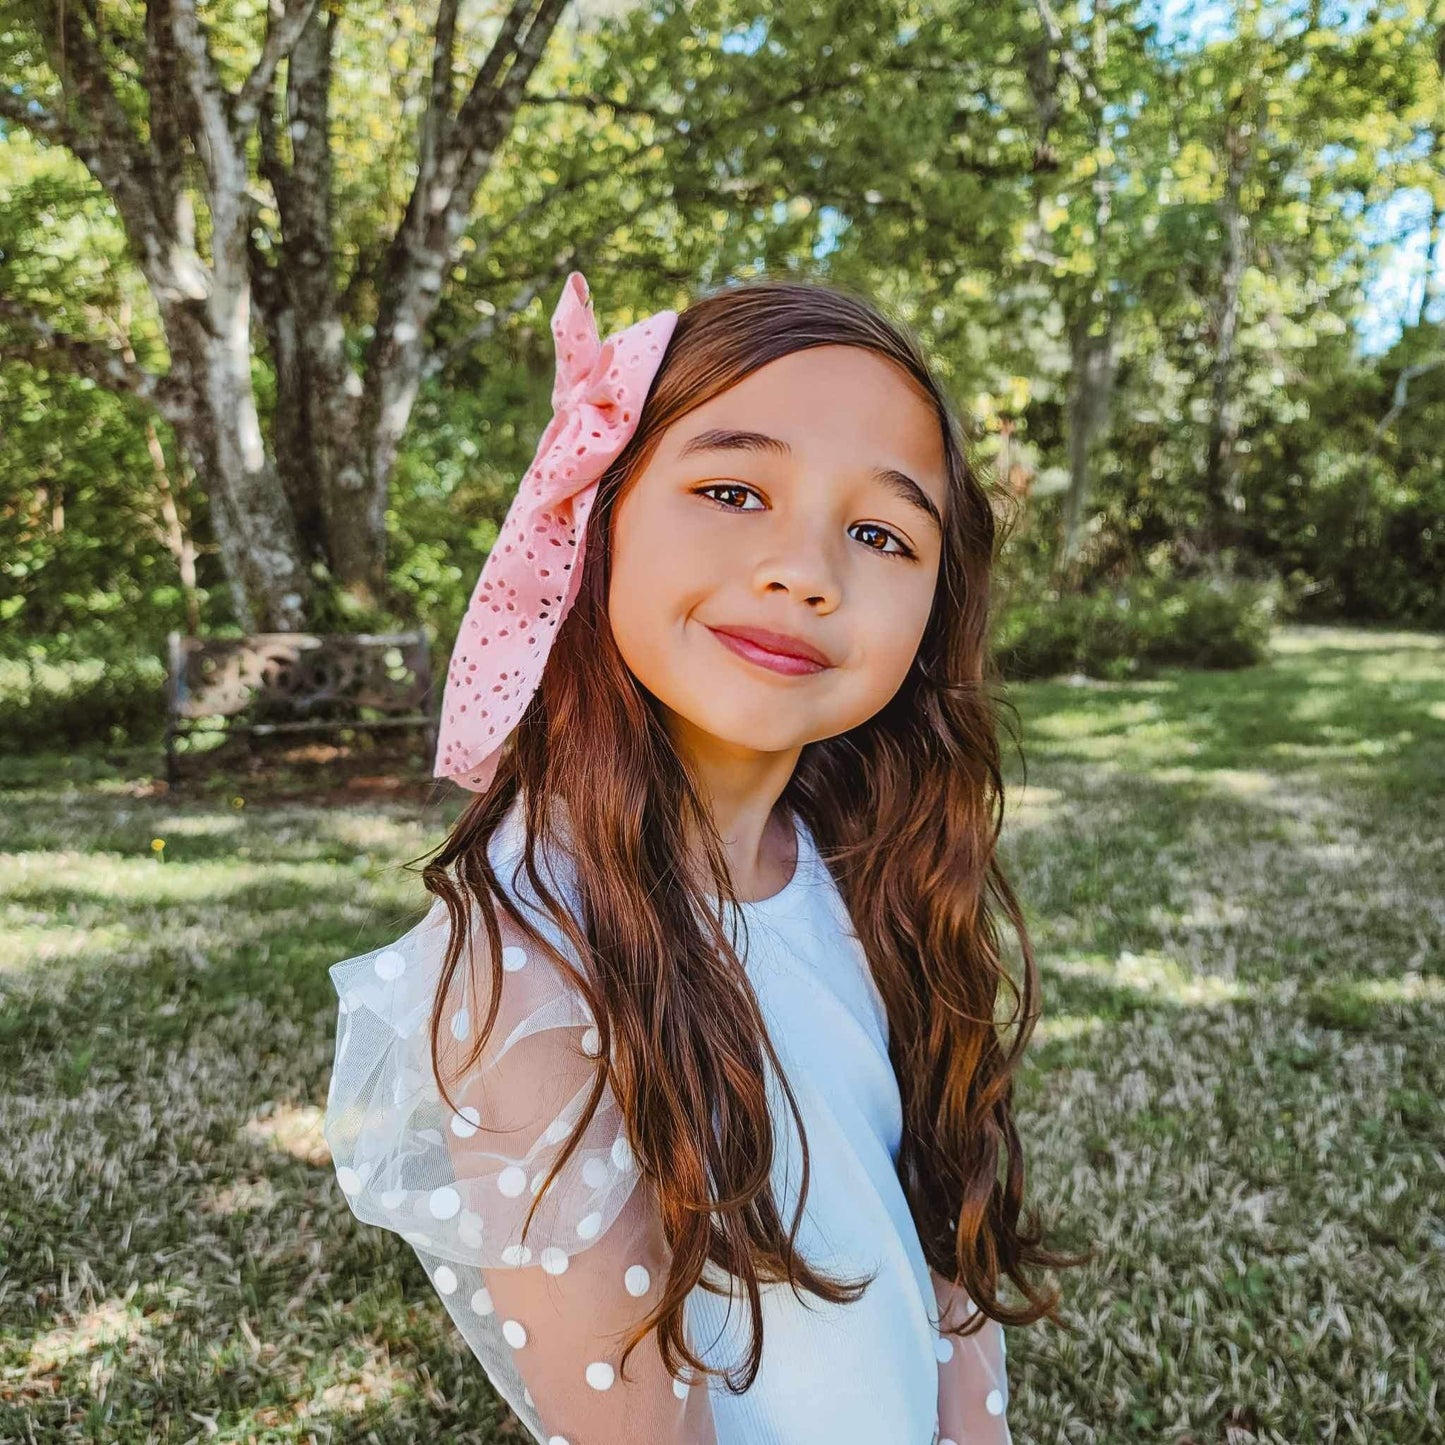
{"x": 1236, "y": 885}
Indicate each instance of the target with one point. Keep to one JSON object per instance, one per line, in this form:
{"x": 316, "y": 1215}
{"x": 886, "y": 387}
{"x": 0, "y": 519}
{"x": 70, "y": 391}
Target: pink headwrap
{"x": 533, "y": 572}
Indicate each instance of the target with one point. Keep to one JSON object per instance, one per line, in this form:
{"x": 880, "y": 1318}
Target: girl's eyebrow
{"x": 725, "y": 439}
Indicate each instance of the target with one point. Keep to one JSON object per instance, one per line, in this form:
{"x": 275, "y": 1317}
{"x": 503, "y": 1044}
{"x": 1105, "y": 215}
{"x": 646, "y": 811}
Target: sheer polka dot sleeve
{"x": 972, "y": 1373}
{"x": 547, "y": 1315}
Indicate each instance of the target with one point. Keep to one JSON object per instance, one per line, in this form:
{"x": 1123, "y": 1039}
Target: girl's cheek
{"x": 694, "y": 521}
{"x": 894, "y": 618}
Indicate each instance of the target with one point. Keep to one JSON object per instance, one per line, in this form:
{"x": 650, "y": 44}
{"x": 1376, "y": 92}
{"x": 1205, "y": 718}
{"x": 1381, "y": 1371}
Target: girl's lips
{"x": 773, "y": 661}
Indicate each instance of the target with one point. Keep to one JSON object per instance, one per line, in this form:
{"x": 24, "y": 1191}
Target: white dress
{"x": 544, "y": 1317}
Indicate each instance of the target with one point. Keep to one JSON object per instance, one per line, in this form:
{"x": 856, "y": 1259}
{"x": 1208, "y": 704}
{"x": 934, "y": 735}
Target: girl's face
{"x": 803, "y": 500}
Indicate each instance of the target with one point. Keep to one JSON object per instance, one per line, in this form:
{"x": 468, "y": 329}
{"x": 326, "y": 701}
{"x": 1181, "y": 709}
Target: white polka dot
{"x": 969, "y": 1310}
{"x": 466, "y": 1121}
{"x": 482, "y": 1302}
{"x": 994, "y": 1403}
{"x": 393, "y": 1199}
{"x": 416, "y": 1236}
{"x": 517, "y": 1254}
{"x": 600, "y": 1375}
{"x": 588, "y": 1225}
{"x": 637, "y": 1279}
{"x": 469, "y": 1229}
{"x": 446, "y": 1280}
{"x": 348, "y": 1179}
{"x": 514, "y": 1332}
{"x": 557, "y": 1440}
{"x": 461, "y": 1024}
{"x": 514, "y": 958}
{"x": 680, "y": 1389}
{"x": 622, "y": 1154}
{"x": 591, "y": 1043}
{"x": 390, "y": 964}
{"x": 557, "y": 1131}
{"x": 444, "y": 1202}
{"x": 946, "y": 1441}
{"x": 595, "y": 1172}
{"x": 943, "y": 1348}
{"x": 512, "y": 1180}
{"x": 554, "y": 1260}
{"x": 538, "y": 1180}
{"x": 527, "y": 1396}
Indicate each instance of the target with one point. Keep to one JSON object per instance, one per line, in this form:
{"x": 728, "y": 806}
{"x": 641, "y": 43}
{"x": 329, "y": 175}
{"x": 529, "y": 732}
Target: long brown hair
{"x": 906, "y": 810}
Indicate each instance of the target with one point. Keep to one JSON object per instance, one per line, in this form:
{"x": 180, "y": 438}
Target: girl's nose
{"x": 800, "y": 554}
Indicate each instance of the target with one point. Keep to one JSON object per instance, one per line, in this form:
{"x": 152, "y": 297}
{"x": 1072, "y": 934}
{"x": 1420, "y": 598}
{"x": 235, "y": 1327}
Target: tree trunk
{"x": 1091, "y": 388}
{"x": 1221, "y": 482}
{"x": 219, "y": 428}
{"x": 344, "y": 427}
{"x": 337, "y": 430}
{"x": 176, "y": 531}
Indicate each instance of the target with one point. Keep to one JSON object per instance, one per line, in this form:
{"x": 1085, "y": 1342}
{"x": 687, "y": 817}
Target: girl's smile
{"x": 786, "y": 656}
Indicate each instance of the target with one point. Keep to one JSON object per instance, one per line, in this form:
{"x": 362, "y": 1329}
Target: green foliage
{"x": 1357, "y": 524}
{"x": 82, "y": 541}
{"x": 943, "y": 160}
{"x": 1371, "y": 546}
{"x": 1135, "y": 627}
{"x": 49, "y": 703}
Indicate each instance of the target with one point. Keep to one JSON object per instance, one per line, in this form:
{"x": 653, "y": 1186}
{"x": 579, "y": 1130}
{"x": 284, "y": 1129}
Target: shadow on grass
{"x": 1314, "y": 705}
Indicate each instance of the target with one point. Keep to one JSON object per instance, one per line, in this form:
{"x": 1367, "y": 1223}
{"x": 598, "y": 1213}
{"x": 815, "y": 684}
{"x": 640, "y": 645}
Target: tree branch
{"x": 281, "y": 36}
{"x": 91, "y": 122}
{"x": 1401, "y": 397}
{"x": 494, "y": 99}
{"x": 211, "y": 98}
{"x": 440, "y": 359}
{"x": 446, "y": 183}
{"x": 51, "y": 350}
{"x": 438, "y": 118}
{"x": 80, "y": 65}
{"x": 1067, "y": 58}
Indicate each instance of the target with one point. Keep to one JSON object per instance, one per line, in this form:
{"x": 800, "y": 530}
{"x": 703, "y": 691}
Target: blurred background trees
{"x": 275, "y": 282}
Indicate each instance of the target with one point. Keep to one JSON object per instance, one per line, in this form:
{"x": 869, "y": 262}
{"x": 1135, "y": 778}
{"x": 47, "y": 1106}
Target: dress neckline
{"x": 783, "y": 898}
{"x": 513, "y": 827}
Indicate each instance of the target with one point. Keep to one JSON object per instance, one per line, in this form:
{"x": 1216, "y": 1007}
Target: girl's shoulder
{"x": 507, "y": 854}
{"x": 397, "y": 983}
{"x": 514, "y": 1090}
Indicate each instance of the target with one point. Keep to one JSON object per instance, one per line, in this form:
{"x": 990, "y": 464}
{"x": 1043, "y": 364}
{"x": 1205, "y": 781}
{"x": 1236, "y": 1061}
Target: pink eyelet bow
{"x": 532, "y": 575}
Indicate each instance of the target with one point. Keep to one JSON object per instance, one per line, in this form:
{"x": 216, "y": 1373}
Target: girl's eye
{"x": 737, "y": 487}
{"x": 726, "y": 487}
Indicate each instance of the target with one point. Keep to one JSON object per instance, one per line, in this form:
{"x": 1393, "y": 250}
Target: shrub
{"x": 49, "y": 704}
{"x": 1134, "y": 627}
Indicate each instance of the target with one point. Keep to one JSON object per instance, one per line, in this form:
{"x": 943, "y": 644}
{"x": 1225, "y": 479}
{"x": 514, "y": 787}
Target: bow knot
{"x": 588, "y": 396}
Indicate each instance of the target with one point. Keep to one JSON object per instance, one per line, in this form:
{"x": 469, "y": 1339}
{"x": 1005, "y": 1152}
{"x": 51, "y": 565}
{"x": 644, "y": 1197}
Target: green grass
{"x": 1234, "y": 884}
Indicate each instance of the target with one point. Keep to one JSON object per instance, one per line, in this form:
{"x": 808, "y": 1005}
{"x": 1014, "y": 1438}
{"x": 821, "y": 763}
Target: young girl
{"x": 688, "y": 1091}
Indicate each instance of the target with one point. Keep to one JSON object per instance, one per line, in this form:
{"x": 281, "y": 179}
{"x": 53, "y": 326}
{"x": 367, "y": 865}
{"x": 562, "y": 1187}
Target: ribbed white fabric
{"x": 542, "y": 1317}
